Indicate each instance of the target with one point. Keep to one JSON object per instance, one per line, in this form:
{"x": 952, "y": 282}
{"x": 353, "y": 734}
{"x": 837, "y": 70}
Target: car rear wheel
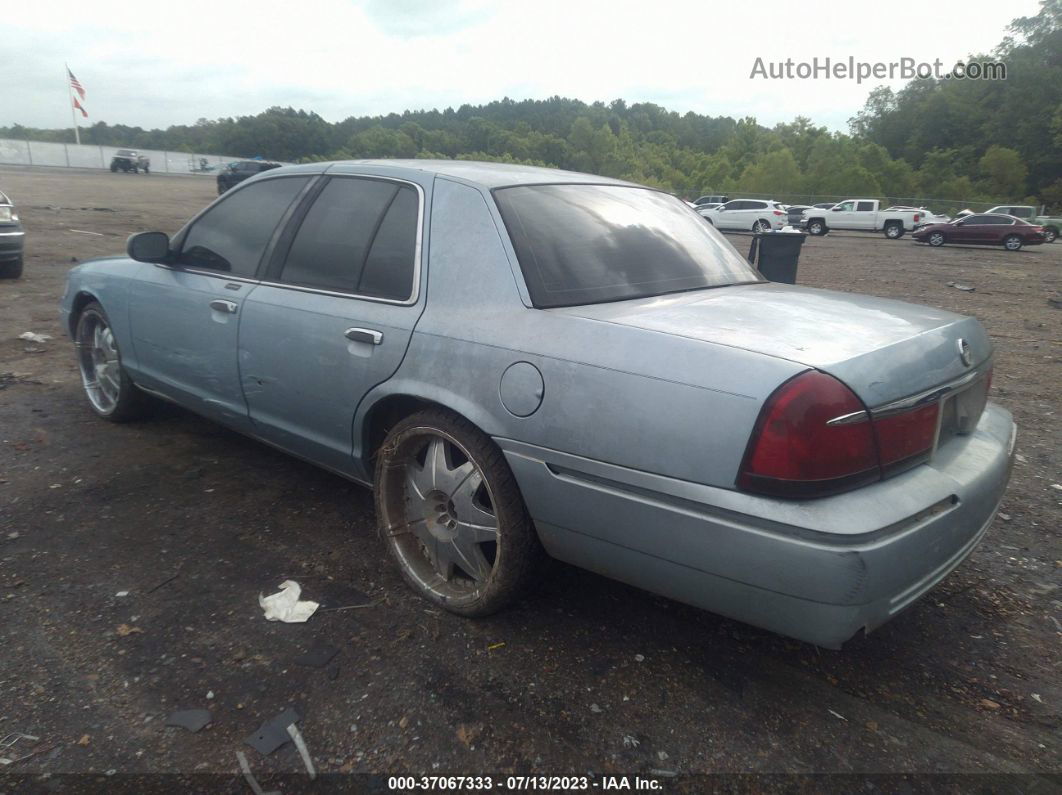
{"x": 110, "y": 391}
{"x": 936, "y": 239}
{"x": 452, "y": 516}
{"x": 12, "y": 269}
{"x": 761, "y": 226}
{"x": 816, "y": 228}
{"x": 1012, "y": 243}
{"x": 894, "y": 231}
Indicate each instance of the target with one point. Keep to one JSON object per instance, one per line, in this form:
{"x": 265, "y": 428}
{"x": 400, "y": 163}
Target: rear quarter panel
{"x": 641, "y": 399}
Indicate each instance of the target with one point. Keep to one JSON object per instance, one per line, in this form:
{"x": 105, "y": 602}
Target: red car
{"x": 987, "y": 229}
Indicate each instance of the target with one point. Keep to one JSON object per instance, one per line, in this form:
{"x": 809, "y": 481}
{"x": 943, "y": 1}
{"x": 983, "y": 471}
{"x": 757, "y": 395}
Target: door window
{"x": 358, "y": 237}
{"x": 845, "y": 207}
{"x": 233, "y": 234}
{"x": 865, "y": 207}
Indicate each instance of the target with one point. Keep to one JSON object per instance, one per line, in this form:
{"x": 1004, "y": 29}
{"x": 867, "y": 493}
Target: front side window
{"x": 584, "y": 244}
{"x": 845, "y": 206}
{"x": 233, "y": 234}
{"x": 359, "y": 237}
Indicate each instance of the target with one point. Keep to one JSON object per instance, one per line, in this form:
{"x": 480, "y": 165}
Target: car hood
{"x": 882, "y": 349}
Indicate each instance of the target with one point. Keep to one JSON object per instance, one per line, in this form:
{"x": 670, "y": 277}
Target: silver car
{"x": 520, "y": 359}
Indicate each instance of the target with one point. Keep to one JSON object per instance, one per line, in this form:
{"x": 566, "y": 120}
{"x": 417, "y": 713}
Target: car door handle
{"x": 224, "y": 306}
{"x": 364, "y": 335}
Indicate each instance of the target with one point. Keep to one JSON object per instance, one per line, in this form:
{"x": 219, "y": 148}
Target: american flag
{"x": 77, "y": 87}
{"x": 78, "y": 106}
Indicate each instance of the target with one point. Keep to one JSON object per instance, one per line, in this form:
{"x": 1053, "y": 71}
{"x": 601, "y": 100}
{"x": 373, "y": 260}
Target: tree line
{"x": 955, "y": 141}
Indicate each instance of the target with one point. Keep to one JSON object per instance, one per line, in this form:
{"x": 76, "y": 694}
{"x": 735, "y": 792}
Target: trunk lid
{"x": 882, "y": 349}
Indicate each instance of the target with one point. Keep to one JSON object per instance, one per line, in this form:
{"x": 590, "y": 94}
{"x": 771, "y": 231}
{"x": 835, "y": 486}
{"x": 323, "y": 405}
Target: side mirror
{"x": 835, "y": 209}
{"x": 148, "y": 247}
{"x": 960, "y": 222}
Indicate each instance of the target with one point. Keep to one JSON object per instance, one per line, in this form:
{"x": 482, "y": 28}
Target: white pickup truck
{"x": 864, "y": 215}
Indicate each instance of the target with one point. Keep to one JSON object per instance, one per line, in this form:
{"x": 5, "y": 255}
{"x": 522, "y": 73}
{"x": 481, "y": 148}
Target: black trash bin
{"x": 778, "y": 254}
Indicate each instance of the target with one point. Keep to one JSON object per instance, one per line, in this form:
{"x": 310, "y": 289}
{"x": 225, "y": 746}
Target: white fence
{"x": 41, "y": 153}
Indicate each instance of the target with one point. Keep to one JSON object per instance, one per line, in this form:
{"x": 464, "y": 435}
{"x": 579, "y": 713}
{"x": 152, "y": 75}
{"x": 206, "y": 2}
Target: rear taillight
{"x": 916, "y": 217}
{"x": 906, "y": 437}
{"x": 778, "y": 212}
{"x": 806, "y": 443}
{"x": 814, "y": 437}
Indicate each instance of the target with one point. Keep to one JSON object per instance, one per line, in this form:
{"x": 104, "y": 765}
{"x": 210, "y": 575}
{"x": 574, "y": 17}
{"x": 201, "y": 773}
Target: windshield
{"x": 586, "y": 244}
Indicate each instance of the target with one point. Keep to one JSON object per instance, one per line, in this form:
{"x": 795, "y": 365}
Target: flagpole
{"x": 70, "y": 99}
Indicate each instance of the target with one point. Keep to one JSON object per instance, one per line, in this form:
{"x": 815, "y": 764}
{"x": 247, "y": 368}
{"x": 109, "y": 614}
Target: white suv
{"x": 753, "y": 215}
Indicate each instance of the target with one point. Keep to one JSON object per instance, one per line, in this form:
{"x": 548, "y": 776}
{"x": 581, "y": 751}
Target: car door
{"x": 841, "y": 216}
{"x": 334, "y": 315}
{"x": 864, "y": 216}
{"x": 974, "y": 229}
{"x": 184, "y": 318}
{"x": 728, "y": 215}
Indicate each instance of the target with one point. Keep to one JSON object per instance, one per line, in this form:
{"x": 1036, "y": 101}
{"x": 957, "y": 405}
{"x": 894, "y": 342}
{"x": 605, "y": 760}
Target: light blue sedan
{"x": 520, "y": 359}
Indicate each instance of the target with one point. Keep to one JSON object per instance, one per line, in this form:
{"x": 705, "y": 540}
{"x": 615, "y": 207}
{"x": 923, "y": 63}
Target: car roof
{"x": 488, "y": 175}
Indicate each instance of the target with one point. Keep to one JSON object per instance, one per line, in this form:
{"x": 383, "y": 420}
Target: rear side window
{"x": 358, "y": 237}
{"x": 583, "y": 244}
{"x": 233, "y": 234}
{"x": 864, "y": 207}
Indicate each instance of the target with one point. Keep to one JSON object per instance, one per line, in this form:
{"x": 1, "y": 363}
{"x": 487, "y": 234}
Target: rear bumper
{"x": 819, "y": 570}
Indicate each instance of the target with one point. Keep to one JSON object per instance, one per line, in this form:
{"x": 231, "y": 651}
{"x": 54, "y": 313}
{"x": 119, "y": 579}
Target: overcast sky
{"x": 153, "y": 65}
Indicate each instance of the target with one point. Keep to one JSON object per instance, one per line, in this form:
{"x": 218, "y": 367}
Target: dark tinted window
{"x": 233, "y": 234}
{"x": 982, "y": 220}
{"x": 581, "y": 244}
{"x": 864, "y": 207}
{"x": 359, "y": 237}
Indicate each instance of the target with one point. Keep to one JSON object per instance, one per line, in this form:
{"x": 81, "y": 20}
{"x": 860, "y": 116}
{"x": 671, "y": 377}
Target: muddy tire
{"x": 12, "y": 269}
{"x": 451, "y": 514}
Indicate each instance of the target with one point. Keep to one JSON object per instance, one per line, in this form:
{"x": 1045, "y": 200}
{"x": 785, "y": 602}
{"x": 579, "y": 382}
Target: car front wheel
{"x": 1012, "y": 243}
{"x": 110, "y": 391}
{"x": 936, "y": 239}
{"x": 12, "y": 269}
{"x": 452, "y": 516}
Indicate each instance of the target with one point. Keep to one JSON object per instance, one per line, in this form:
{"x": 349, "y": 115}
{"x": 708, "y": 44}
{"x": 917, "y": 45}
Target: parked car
{"x": 983, "y": 230}
{"x": 927, "y": 215}
{"x": 795, "y": 213}
{"x": 711, "y": 200}
{"x": 1027, "y": 213}
{"x": 235, "y": 173}
{"x": 130, "y": 160}
{"x": 12, "y": 238}
{"x": 756, "y": 215}
{"x": 824, "y": 205}
{"x": 863, "y": 215}
{"x": 824, "y": 458}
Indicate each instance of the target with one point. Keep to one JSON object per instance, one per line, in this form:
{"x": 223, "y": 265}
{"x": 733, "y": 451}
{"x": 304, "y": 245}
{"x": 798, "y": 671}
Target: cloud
{"x": 167, "y": 65}
{"x": 412, "y": 18}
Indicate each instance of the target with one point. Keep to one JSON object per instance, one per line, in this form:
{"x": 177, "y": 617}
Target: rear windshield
{"x": 588, "y": 244}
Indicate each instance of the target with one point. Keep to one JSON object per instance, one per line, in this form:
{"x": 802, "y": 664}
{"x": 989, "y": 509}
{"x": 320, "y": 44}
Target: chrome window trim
{"x": 932, "y": 395}
{"x": 418, "y": 250}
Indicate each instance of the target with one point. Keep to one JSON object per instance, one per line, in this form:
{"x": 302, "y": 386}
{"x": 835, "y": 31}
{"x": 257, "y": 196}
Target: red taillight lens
{"x": 778, "y": 212}
{"x": 905, "y": 437}
{"x": 916, "y": 217}
{"x": 795, "y": 452}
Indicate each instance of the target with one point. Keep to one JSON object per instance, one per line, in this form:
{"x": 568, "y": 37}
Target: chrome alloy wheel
{"x": 98, "y": 360}
{"x": 446, "y": 533}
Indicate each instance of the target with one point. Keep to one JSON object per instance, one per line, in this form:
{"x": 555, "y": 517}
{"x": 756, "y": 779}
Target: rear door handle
{"x": 364, "y": 335}
{"x": 224, "y": 306}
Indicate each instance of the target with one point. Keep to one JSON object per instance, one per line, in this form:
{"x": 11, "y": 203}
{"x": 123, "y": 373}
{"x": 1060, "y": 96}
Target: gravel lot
{"x": 191, "y": 522}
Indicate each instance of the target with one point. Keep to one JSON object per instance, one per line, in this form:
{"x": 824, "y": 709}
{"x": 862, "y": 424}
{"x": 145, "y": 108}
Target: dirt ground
{"x": 132, "y": 557}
